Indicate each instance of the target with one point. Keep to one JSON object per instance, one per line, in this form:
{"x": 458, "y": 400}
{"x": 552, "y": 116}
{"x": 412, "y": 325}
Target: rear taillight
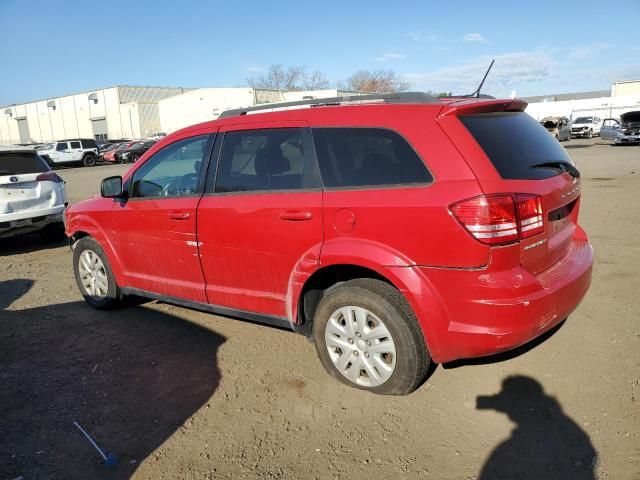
{"x": 49, "y": 177}
{"x": 501, "y": 218}
{"x": 530, "y": 219}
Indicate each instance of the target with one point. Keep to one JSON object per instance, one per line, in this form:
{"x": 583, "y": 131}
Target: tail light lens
{"x": 530, "y": 219}
{"x": 502, "y": 218}
{"x": 49, "y": 177}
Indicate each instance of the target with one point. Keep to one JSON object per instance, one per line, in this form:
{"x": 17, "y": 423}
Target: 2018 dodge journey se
{"x": 392, "y": 230}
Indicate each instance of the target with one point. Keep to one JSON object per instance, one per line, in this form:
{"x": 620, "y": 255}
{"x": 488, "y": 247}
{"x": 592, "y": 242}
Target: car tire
{"x": 89, "y": 160}
{"x": 589, "y": 134}
{"x": 380, "y": 319}
{"x": 94, "y": 275}
{"x": 53, "y": 233}
{"x": 133, "y": 158}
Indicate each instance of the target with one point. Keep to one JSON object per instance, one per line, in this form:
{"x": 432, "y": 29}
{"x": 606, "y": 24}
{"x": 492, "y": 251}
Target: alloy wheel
{"x": 93, "y": 274}
{"x": 360, "y": 346}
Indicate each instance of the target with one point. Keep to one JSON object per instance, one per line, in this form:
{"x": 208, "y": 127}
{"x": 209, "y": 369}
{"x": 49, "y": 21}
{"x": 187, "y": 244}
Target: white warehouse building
{"x": 204, "y": 104}
{"x": 116, "y": 112}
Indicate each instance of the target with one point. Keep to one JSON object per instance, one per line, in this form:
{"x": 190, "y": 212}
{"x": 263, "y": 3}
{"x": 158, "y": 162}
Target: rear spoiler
{"x": 471, "y": 106}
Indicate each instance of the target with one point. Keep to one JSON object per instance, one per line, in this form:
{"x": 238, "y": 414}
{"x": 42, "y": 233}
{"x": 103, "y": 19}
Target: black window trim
{"x": 386, "y": 186}
{"x": 211, "y": 136}
{"x": 212, "y": 176}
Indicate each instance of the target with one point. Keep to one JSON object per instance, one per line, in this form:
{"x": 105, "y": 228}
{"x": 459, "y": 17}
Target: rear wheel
{"x": 52, "y": 233}
{"x": 94, "y": 275}
{"x": 89, "y": 160}
{"x": 367, "y": 336}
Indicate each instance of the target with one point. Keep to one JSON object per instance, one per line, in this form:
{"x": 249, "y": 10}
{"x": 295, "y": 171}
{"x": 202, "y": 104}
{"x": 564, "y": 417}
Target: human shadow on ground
{"x": 130, "y": 377}
{"x": 546, "y": 443}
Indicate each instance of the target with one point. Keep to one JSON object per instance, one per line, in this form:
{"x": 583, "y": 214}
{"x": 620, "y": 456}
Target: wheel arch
{"x": 83, "y": 226}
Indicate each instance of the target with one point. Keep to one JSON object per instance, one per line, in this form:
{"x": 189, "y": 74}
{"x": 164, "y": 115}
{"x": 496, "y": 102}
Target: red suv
{"x": 391, "y": 230}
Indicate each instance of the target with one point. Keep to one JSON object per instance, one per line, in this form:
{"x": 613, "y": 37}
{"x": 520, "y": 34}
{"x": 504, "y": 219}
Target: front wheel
{"x": 367, "y": 336}
{"x": 590, "y": 134}
{"x": 94, "y": 275}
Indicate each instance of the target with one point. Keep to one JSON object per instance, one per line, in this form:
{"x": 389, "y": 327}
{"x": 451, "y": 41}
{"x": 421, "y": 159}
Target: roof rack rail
{"x": 402, "y": 97}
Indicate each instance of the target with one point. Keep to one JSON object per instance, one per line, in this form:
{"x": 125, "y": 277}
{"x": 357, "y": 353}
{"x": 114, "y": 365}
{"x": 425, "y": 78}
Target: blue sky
{"x": 52, "y": 48}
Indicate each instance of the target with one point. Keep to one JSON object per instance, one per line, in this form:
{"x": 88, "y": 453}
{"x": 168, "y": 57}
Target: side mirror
{"x": 111, "y": 187}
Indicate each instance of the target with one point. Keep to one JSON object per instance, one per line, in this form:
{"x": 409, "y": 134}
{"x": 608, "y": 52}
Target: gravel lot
{"x": 182, "y": 394}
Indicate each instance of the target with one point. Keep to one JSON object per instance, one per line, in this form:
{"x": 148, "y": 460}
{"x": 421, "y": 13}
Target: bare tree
{"x": 315, "y": 81}
{"x": 293, "y": 77}
{"x": 379, "y": 81}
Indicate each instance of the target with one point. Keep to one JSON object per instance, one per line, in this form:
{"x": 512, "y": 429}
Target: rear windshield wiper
{"x": 559, "y": 165}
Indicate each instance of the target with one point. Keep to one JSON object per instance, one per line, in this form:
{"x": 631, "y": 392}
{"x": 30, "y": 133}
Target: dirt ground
{"x": 177, "y": 393}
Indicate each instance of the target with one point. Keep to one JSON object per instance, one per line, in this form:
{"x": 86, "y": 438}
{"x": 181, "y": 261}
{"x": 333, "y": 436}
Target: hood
{"x": 630, "y": 117}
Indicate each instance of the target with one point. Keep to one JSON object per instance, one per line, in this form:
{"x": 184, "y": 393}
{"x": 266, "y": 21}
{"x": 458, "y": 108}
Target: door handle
{"x": 296, "y": 216}
{"x": 179, "y": 216}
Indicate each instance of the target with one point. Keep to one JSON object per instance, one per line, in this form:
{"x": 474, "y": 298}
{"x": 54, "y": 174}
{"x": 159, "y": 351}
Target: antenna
{"x": 477, "y": 92}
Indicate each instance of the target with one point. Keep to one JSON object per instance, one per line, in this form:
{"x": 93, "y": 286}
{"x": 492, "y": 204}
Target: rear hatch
{"x": 21, "y": 185}
{"x": 513, "y": 154}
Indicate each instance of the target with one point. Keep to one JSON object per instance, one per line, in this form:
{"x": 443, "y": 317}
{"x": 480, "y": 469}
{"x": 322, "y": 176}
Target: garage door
{"x": 99, "y": 127}
{"x": 23, "y": 130}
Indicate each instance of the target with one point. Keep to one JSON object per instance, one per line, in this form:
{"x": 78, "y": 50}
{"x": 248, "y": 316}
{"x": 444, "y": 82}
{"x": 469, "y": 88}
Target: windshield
{"x": 583, "y": 120}
{"x": 136, "y": 145}
{"x": 46, "y": 146}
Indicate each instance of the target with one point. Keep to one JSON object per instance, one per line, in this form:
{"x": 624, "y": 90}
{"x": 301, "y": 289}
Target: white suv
{"x": 586, "y": 127}
{"x": 82, "y": 150}
{"x": 32, "y": 197}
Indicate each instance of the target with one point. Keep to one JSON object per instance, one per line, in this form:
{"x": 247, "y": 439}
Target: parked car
{"x": 391, "y": 233}
{"x": 558, "y": 127}
{"x": 110, "y": 155}
{"x": 133, "y": 152}
{"x": 586, "y": 127}
{"x": 32, "y": 197}
{"x": 626, "y": 131}
{"x": 82, "y": 150}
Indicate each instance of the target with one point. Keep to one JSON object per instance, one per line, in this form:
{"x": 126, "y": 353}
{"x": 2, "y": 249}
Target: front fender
{"x": 84, "y": 223}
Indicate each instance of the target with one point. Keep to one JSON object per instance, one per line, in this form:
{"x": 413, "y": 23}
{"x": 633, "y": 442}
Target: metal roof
{"x": 557, "y": 97}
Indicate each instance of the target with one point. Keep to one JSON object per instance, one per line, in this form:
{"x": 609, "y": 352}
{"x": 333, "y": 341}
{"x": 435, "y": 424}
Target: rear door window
{"x": 515, "y": 143}
{"x": 266, "y": 160}
{"x": 20, "y": 163}
{"x": 359, "y": 157}
{"x": 75, "y": 144}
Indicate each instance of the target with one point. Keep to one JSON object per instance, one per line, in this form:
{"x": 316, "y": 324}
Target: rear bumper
{"x": 490, "y": 312}
{"x": 29, "y": 221}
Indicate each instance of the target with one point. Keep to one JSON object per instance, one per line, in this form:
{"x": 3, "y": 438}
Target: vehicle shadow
{"x": 130, "y": 377}
{"x": 545, "y": 443}
{"x": 27, "y": 243}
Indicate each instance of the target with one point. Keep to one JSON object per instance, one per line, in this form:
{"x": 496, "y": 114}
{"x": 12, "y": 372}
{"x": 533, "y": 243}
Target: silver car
{"x": 626, "y": 131}
{"x": 558, "y": 127}
{"x": 32, "y": 196}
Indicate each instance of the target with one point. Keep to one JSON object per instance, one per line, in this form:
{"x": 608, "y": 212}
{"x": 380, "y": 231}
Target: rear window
{"x": 89, "y": 144}
{"x": 515, "y": 143}
{"x": 358, "y": 157}
{"x": 19, "y": 163}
